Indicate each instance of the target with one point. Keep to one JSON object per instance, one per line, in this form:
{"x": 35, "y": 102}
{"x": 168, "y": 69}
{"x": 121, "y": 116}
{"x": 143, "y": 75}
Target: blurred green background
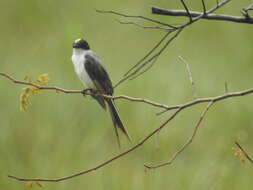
{"x": 61, "y": 134}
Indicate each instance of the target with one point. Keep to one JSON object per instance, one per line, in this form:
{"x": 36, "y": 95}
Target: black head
{"x": 81, "y": 44}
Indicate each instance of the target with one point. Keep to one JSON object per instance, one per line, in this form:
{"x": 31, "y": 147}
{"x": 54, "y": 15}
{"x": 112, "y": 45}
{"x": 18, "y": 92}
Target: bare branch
{"x": 178, "y": 108}
{"x": 244, "y": 152}
{"x": 245, "y": 11}
{"x": 87, "y": 92}
{"x": 142, "y": 66}
{"x": 204, "y": 6}
{"x": 226, "y": 87}
{"x": 134, "y": 16}
{"x": 188, "y": 142}
{"x": 142, "y": 26}
{"x": 148, "y": 54}
{"x": 186, "y": 10}
{"x": 166, "y": 107}
{"x": 103, "y": 163}
{"x": 190, "y": 75}
{"x": 194, "y": 14}
{"x": 139, "y": 68}
{"x": 210, "y": 99}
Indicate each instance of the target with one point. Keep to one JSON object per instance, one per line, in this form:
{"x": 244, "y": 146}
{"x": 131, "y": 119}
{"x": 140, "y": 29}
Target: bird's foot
{"x": 86, "y": 91}
{"x": 94, "y": 92}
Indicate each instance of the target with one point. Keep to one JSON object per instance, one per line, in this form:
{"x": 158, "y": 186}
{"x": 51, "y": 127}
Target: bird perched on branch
{"x": 92, "y": 73}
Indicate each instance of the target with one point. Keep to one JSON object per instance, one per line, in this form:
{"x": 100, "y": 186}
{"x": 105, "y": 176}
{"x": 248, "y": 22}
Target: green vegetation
{"x": 61, "y": 134}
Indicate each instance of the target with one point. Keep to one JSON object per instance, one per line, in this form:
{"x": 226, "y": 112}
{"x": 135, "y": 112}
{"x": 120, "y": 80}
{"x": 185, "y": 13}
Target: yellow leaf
{"x": 29, "y": 184}
{"x": 43, "y": 78}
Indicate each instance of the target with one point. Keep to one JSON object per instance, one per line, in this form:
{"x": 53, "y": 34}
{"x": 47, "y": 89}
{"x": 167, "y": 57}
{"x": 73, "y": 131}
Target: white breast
{"x": 78, "y": 59}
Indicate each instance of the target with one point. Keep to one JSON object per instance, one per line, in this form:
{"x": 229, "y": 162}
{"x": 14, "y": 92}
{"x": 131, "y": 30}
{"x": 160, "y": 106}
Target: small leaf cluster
{"x": 29, "y": 91}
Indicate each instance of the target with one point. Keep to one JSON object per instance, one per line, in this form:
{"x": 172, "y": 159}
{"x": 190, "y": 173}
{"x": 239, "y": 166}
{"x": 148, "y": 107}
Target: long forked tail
{"x": 116, "y": 120}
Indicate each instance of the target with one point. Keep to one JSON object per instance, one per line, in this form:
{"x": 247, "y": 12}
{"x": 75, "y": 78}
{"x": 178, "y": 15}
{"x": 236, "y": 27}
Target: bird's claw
{"x": 85, "y": 91}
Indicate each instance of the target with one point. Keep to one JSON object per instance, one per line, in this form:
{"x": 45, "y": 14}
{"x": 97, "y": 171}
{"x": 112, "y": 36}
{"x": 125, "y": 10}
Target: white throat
{"x": 78, "y": 59}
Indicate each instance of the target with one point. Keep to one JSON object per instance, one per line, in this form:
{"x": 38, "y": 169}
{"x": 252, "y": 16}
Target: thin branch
{"x": 39, "y": 86}
{"x": 134, "y": 16}
{"x": 142, "y": 26}
{"x": 204, "y": 6}
{"x": 210, "y": 99}
{"x": 148, "y": 54}
{"x": 103, "y": 163}
{"x": 166, "y": 107}
{"x": 155, "y": 56}
{"x": 186, "y": 10}
{"x": 142, "y": 63}
{"x": 178, "y": 108}
{"x": 244, "y": 152}
{"x": 245, "y": 11}
{"x": 138, "y": 67}
{"x": 133, "y": 99}
{"x": 189, "y": 75}
{"x": 218, "y": 17}
{"x": 188, "y": 142}
{"x": 226, "y": 87}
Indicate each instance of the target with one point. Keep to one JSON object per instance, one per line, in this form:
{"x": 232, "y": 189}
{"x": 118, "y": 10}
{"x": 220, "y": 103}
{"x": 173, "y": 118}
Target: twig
{"x": 244, "y": 152}
{"x": 226, "y": 87}
{"x": 218, "y": 17}
{"x": 103, "y": 163}
{"x": 134, "y": 16}
{"x": 133, "y": 72}
{"x": 186, "y": 10}
{"x": 178, "y": 108}
{"x": 245, "y": 11}
{"x": 188, "y": 142}
{"x": 152, "y": 103}
{"x": 189, "y": 75}
{"x": 138, "y": 68}
{"x": 142, "y": 26}
{"x": 148, "y": 54}
{"x": 166, "y": 107}
{"x": 204, "y": 6}
{"x": 210, "y": 99}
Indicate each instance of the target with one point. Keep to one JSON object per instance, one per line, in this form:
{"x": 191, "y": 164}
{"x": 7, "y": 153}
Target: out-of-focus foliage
{"x": 29, "y": 91}
{"x": 64, "y": 133}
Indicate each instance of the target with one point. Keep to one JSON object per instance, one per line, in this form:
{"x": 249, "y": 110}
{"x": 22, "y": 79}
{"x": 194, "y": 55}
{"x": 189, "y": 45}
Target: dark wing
{"x": 98, "y": 74}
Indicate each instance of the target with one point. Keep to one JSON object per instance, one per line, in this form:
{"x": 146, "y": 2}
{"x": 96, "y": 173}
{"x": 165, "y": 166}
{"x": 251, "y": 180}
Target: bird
{"x": 93, "y": 75}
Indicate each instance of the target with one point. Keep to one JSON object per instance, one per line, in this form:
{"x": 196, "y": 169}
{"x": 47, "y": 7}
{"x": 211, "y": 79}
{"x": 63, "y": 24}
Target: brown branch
{"x": 103, "y": 163}
{"x": 219, "y": 17}
{"x": 244, "y": 152}
{"x": 211, "y": 99}
{"x": 178, "y": 108}
{"x": 155, "y": 104}
{"x": 148, "y": 60}
{"x": 189, "y": 75}
{"x": 188, "y": 142}
{"x": 134, "y": 16}
{"x": 166, "y": 107}
{"x": 142, "y": 26}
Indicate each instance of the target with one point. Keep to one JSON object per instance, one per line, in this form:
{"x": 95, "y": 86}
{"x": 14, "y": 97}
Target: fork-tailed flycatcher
{"x": 92, "y": 73}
